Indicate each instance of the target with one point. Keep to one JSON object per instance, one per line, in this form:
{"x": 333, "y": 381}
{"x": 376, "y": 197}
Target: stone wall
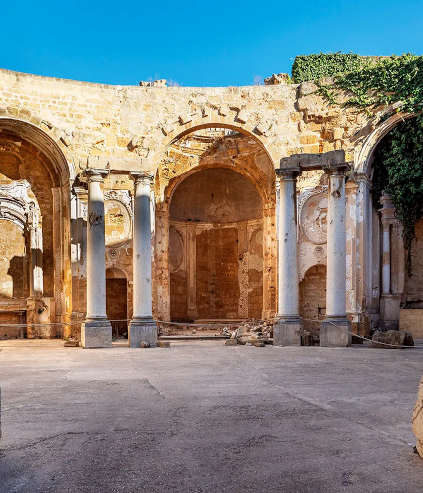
{"x": 313, "y": 298}
{"x": 64, "y": 126}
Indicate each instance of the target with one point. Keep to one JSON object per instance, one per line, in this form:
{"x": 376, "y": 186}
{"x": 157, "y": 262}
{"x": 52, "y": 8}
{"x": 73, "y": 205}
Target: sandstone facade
{"x": 212, "y": 155}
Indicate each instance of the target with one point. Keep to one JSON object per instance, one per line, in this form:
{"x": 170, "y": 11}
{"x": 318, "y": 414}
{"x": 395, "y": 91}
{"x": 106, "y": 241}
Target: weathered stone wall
{"x": 123, "y": 128}
{"x": 414, "y": 283}
{"x": 124, "y": 124}
{"x": 12, "y": 261}
{"x": 313, "y": 298}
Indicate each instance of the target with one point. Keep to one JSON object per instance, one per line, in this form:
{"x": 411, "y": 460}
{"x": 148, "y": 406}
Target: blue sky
{"x": 196, "y": 43}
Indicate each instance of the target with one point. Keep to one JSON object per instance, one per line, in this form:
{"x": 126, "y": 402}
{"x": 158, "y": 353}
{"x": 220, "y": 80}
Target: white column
{"x": 142, "y": 328}
{"x": 335, "y": 330}
{"x": 96, "y": 331}
{"x": 36, "y": 245}
{"x": 336, "y": 245}
{"x": 390, "y": 299}
{"x": 287, "y": 330}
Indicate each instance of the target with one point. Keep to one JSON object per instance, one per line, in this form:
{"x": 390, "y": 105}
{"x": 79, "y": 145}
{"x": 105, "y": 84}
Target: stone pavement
{"x": 202, "y": 417}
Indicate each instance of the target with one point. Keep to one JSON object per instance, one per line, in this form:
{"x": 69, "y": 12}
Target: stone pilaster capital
{"x": 80, "y": 192}
{"x": 362, "y": 178}
{"x": 287, "y": 174}
{"x": 96, "y": 175}
{"x": 336, "y": 169}
{"x": 387, "y": 211}
{"x": 141, "y": 177}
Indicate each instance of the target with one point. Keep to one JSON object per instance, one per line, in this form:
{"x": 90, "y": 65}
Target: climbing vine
{"x": 378, "y": 85}
{"x": 317, "y": 66}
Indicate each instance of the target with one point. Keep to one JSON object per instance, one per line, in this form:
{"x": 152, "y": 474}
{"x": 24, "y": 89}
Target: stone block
{"x": 335, "y": 333}
{"x": 96, "y": 334}
{"x": 338, "y": 133}
{"x": 390, "y": 310}
{"x": 142, "y": 331}
{"x": 287, "y": 332}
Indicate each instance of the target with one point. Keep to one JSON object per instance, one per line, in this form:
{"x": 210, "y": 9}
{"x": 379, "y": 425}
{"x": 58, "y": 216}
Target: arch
{"x": 174, "y": 134}
{"x": 364, "y": 157}
{"x": 46, "y": 144}
{"x": 55, "y": 177}
{"x": 115, "y": 273}
{"x": 117, "y": 301}
{"x": 216, "y": 247}
{"x": 247, "y": 157}
{"x": 312, "y": 290}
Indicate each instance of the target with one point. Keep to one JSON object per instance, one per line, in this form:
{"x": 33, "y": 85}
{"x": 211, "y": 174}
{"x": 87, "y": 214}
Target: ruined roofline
{"x": 27, "y": 75}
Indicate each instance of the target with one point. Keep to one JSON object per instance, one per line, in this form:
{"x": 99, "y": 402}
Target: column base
{"x": 142, "y": 330}
{"x": 338, "y": 335}
{"x": 287, "y": 332}
{"x": 96, "y": 333}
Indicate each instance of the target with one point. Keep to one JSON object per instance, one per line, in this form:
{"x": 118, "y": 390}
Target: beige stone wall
{"x": 12, "y": 261}
{"x": 414, "y": 283}
{"x": 124, "y": 124}
{"x": 125, "y": 128}
{"x": 313, "y": 298}
{"x": 411, "y": 320}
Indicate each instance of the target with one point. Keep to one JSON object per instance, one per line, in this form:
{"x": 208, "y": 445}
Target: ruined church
{"x": 124, "y": 209}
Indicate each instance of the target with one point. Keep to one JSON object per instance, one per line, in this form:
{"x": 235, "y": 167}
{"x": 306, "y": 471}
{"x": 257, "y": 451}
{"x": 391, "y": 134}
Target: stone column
{"x": 142, "y": 327}
{"x": 335, "y": 329}
{"x": 389, "y": 302}
{"x": 79, "y": 204}
{"x": 287, "y": 330}
{"x": 386, "y": 257}
{"x": 36, "y": 245}
{"x": 96, "y": 331}
{"x": 191, "y": 253}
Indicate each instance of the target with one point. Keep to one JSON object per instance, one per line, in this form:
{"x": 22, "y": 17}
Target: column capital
{"x": 141, "y": 177}
{"x": 95, "y": 174}
{"x": 387, "y": 210}
{"x": 336, "y": 169}
{"x": 80, "y": 192}
{"x": 287, "y": 173}
{"x": 362, "y": 178}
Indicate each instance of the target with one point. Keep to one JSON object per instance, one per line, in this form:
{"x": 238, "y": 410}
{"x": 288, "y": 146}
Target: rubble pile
{"x": 392, "y": 339}
{"x": 251, "y": 332}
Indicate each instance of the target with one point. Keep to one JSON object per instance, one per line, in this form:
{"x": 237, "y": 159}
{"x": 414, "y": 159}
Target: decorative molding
{"x": 17, "y": 206}
{"x": 312, "y": 216}
{"x": 122, "y": 196}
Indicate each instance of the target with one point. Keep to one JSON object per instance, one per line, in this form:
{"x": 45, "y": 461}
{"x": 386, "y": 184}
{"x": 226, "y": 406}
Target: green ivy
{"x": 318, "y": 66}
{"x": 372, "y": 84}
{"x": 398, "y": 170}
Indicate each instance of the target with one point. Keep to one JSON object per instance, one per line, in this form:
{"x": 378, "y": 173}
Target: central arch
{"x": 215, "y": 234}
{"x": 216, "y": 247}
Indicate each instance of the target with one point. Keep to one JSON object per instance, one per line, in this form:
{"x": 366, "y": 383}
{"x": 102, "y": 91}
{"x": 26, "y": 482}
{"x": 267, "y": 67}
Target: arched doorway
{"x": 313, "y": 298}
{"x": 117, "y": 302}
{"x": 216, "y": 247}
{"x": 215, "y": 229}
{"x": 34, "y": 182}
